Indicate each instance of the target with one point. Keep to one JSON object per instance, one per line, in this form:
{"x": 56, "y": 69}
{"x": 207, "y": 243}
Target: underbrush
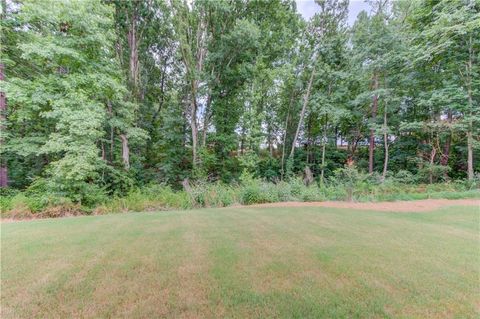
{"x": 346, "y": 185}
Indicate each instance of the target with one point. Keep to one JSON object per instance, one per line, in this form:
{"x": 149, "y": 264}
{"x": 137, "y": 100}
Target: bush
{"x": 44, "y": 192}
{"x": 347, "y": 183}
{"x": 212, "y": 195}
{"x": 312, "y": 194}
{"x": 284, "y": 192}
{"x": 404, "y": 177}
{"x": 296, "y": 187}
{"x": 432, "y": 173}
{"x": 251, "y": 194}
{"x": 351, "y": 179}
{"x": 149, "y": 198}
{"x": 270, "y": 192}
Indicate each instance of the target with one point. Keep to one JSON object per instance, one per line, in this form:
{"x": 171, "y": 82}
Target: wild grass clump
{"x": 346, "y": 184}
{"x": 284, "y": 191}
{"x": 257, "y": 193}
{"x": 149, "y": 198}
{"x": 205, "y": 194}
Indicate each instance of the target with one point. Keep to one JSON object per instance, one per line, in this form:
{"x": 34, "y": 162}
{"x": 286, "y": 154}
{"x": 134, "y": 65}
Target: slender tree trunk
{"x": 283, "y": 146}
{"x": 269, "y": 137}
{"x": 385, "y": 139}
{"x": 371, "y": 146}
{"x": 309, "y": 139}
{"x": 134, "y": 75}
{"x": 446, "y": 149}
{"x": 193, "y": 126}
{"x": 432, "y": 159}
{"x": 270, "y": 145}
{"x": 287, "y": 119}
{"x": 470, "y": 104}
{"x": 335, "y": 142}
{"x": 324, "y": 143}
{"x": 242, "y": 139}
{"x": 125, "y": 151}
{"x": 302, "y": 114}
{"x": 3, "y": 117}
{"x": 470, "y": 153}
{"x": 110, "y": 113}
{"x": 206, "y": 121}
{"x": 133, "y": 46}
{"x": 104, "y": 157}
{"x": 448, "y": 141}
{"x": 194, "y": 69}
{"x": 111, "y": 144}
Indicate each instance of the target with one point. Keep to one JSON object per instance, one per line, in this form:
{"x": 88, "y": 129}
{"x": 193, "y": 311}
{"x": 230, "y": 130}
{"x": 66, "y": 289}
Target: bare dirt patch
{"x": 400, "y": 206}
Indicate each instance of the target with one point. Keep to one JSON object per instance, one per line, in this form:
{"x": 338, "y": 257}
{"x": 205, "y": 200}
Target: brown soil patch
{"x": 401, "y": 206}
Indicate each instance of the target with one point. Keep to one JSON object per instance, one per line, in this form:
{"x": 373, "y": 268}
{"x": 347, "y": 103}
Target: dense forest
{"x": 102, "y": 97}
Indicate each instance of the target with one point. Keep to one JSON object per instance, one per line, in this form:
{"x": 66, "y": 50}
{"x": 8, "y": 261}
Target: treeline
{"x": 106, "y": 96}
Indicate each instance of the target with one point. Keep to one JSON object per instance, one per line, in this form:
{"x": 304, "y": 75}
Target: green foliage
{"x": 430, "y": 173}
{"x": 347, "y": 184}
{"x": 404, "y": 177}
{"x": 105, "y": 98}
{"x": 150, "y": 198}
{"x": 213, "y": 195}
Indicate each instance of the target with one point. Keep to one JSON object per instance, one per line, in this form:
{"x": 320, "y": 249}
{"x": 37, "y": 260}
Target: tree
{"x": 448, "y": 42}
{"x": 69, "y": 44}
{"x": 373, "y": 41}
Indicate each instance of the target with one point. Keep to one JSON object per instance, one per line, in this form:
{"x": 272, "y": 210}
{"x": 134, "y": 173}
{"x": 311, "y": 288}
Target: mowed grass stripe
{"x": 295, "y": 262}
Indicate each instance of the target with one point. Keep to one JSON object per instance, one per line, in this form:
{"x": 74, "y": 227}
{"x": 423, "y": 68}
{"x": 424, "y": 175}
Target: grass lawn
{"x": 292, "y": 262}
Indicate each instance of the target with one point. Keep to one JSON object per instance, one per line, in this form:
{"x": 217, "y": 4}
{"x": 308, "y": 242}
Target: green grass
{"x": 307, "y": 262}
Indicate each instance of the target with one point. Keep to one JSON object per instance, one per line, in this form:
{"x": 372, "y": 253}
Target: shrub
{"x": 350, "y": 178}
{"x": 347, "y": 183}
{"x": 270, "y": 192}
{"x": 404, "y": 177}
{"x": 251, "y": 194}
{"x": 284, "y": 192}
{"x": 312, "y": 193}
{"x": 432, "y": 173}
{"x": 296, "y": 187}
{"x": 212, "y": 195}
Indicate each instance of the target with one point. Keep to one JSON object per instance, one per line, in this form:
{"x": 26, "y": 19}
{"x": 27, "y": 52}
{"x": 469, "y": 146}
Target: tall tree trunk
{"x": 269, "y": 136}
{"x": 432, "y": 159}
{"x": 385, "y": 139}
{"x": 287, "y": 119}
{"x": 110, "y": 113}
{"x": 193, "y": 126}
{"x": 470, "y": 153}
{"x": 283, "y": 147}
{"x": 125, "y": 151}
{"x": 200, "y": 55}
{"x": 371, "y": 146}
{"x": 134, "y": 75}
{"x": 448, "y": 141}
{"x": 470, "y": 104}
{"x": 335, "y": 142}
{"x": 324, "y": 143}
{"x": 206, "y": 121}
{"x": 3, "y": 114}
{"x": 309, "y": 139}
{"x": 194, "y": 68}
{"x": 3, "y": 117}
{"x": 446, "y": 149}
{"x": 132, "y": 38}
{"x": 302, "y": 114}
{"x": 104, "y": 157}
